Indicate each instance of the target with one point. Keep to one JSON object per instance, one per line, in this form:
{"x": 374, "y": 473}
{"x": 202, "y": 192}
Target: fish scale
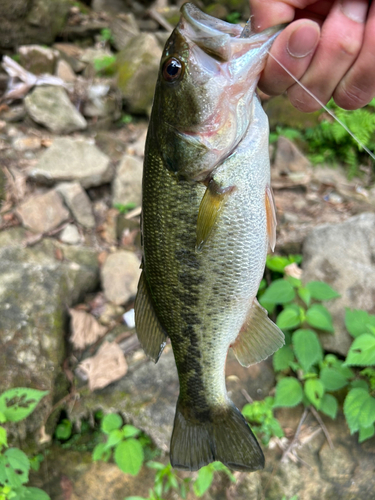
{"x": 206, "y": 226}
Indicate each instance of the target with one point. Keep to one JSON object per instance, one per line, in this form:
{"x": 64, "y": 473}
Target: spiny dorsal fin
{"x": 271, "y": 217}
{"x": 259, "y": 337}
{"x": 209, "y": 209}
{"x": 149, "y": 330}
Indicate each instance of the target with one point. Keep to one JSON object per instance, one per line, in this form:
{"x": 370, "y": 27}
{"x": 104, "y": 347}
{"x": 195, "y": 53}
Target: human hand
{"x": 329, "y": 47}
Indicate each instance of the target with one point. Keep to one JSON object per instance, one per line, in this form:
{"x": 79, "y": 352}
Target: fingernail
{"x": 303, "y": 40}
{"x": 356, "y": 10}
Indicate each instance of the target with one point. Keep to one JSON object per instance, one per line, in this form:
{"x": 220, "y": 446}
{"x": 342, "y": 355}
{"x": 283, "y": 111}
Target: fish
{"x": 208, "y": 217}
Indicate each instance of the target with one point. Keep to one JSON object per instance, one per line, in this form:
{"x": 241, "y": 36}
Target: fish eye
{"x": 172, "y": 69}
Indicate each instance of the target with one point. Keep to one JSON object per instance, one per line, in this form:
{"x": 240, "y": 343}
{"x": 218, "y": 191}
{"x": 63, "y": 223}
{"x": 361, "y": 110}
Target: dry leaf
{"x": 85, "y": 329}
{"x": 105, "y": 367}
{"x": 293, "y": 270}
{"x": 43, "y": 436}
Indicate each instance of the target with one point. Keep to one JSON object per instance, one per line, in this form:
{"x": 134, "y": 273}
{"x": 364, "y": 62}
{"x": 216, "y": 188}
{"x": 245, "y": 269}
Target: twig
{"x": 133, "y": 213}
{"x": 160, "y": 19}
{"x": 33, "y": 240}
{"x": 295, "y": 439}
{"x": 322, "y": 425}
{"x": 247, "y": 396}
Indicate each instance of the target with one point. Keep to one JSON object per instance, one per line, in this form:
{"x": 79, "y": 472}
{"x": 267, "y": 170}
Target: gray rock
{"x": 50, "y": 106}
{"x": 343, "y": 256}
{"x": 78, "y": 202}
{"x": 71, "y": 160}
{"x": 120, "y": 274}
{"x": 123, "y": 28}
{"x": 127, "y": 183}
{"x": 70, "y": 235}
{"x": 138, "y": 66}
{"x": 42, "y": 212}
{"x": 35, "y": 289}
{"x": 102, "y": 102}
{"x": 289, "y": 158}
{"x": 65, "y": 71}
{"x": 37, "y": 59}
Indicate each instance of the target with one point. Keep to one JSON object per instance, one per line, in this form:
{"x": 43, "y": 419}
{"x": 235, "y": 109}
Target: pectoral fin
{"x": 259, "y": 337}
{"x": 149, "y": 330}
{"x": 271, "y": 217}
{"x": 209, "y": 209}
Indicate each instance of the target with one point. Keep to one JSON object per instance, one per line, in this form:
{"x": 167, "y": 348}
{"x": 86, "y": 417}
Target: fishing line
{"x": 331, "y": 113}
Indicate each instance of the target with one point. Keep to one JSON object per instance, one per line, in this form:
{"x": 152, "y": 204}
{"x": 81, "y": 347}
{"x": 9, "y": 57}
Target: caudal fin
{"x": 225, "y": 436}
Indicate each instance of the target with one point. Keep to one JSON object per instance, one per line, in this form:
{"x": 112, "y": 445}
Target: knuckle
{"x": 349, "y": 44}
{"x": 351, "y": 97}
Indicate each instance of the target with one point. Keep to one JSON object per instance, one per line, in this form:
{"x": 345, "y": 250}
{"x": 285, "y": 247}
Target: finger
{"x": 294, "y": 49}
{"x": 339, "y": 45}
{"x": 267, "y": 13}
{"x": 357, "y": 88}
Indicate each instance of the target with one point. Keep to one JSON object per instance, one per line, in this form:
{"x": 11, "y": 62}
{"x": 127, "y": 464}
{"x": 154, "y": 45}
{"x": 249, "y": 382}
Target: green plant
{"x": 106, "y": 35}
{"x": 262, "y": 420}
{"x": 15, "y": 405}
{"x": 105, "y": 65}
{"x": 234, "y": 17}
{"x": 125, "y": 208}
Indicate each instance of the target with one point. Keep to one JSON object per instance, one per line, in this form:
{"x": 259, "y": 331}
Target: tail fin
{"x": 225, "y": 436}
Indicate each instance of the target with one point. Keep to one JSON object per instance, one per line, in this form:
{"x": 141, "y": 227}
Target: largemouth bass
{"x": 207, "y": 219}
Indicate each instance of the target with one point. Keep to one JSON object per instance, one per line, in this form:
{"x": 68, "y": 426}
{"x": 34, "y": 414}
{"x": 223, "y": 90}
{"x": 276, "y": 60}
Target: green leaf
{"x": 362, "y": 351}
{"x": 18, "y": 466}
{"x": 3, "y": 437}
{"x": 332, "y": 379}
{"x": 31, "y": 493}
{"x": 366, "y": 433}
{"x": 279, "y": 292}
{"x": 129, "y": 456}
{"x": 277, "y": 263}
{"x": 288, "y": 392}
{"x": 321, "y": 291}
{"x": 130, "y": 431}
{"x": 111, "y": 422}
{"x": 155, "y": 465}
{"x": 305, "y": 295}
{"x": 289, "y": 318}
{"x": 307, "y": 348}
{"x": 204, "y": 480}
{"x": 17, "y": 404}
{"x": 329, "y": 405}
{"x": 314, "y": 390}
{"x": 114, "y": 438}
{"x": 319, "y": 317}
{"x": 2, "y": 418}
{"x": 100, "y": 452}
{"x": 359, "y": 384}
{"x": 359, "y": 409}
{"x": 356, "y": 321}
{"x": 282, "y": 358}
{"x": 64, "y": 429}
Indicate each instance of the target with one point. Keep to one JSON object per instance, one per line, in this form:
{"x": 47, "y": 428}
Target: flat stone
{"x": 289, "y": 158}
{"x": 37, "y": 59}
{"x": 78, "y": 202}
{"x": 123, "y": 28}
{"x": 70, "y": 235}
{"x": 51, "y": 107}
{"x": 127, "y": 183}
{"x": 65, "y": 71}
{"x": 343, "y": 256}
{"x": 120, "y": 275}
{"x": 42, "y": 212}
{"x": 73, "y": 160}
{"x": 25, "y": 143}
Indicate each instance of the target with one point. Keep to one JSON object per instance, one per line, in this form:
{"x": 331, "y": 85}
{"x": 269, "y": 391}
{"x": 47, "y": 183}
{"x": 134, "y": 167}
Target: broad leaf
{"x": 31, "y": 493}
{"x": 333, "y": 379}
{"x": 111, "y": 422}
{"x": 362, "y": 351}
{"x": 100, "y": 452}
{"x": 279, "y": 292}
{"x": 305, "y": 295}
{"x": 114, "y": 438}
{"x": 357, "y": 403}
{"x": 204, "y": 480}
{"x": 366, "y": 433}
{"x": 18, "y": 466}
{"x": 314, "y": 390}
{"x": 130, "y": 431}
{"x": 307, "y": 348}
{"x": 3, "y": 437}
{"x": 321, "y": 291}
{"x": 64, "y": 429}
{"x": 356, "y": 321}
{"x": 289, "y": 318}
{"x": 329, "y": 405}
{"x": 129, "y": 456}
{"x": 319, "y": 317}
{"x": 282, "y": 358}
{"x": 277, "y": 263}
{"x": 288, "y": 392}
{"x": 17, "y": 404}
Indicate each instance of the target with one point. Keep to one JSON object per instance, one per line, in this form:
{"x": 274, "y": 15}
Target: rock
{"x": 73, "y": 160}
{"x": 65, "y": 72}
{"x": 127, "y": 183}
{"x": 338, "y": 464}
{"x": 138, "y": 147}
{"x": 70, "y": 235}
{"x": 27, "y": 22}
{"x": 123, "y": 28}
{"x": 42, "y": 212}
{"x": 36, "y": 288}
{"x": 102, "y": 102}
{"x": 71, "y": 54}
{"x": 14, "y": 114}
{"x": 120, "y": 274}
{"x": 50, "y": 106}
{"x": 37, "y": 59}
{"x": 138, "y": 66}
{"x": 343, "y": 256}
{"x": 24, "y": 143}
{"x": 78, "y": 202}
{"x": 289, "y": 158}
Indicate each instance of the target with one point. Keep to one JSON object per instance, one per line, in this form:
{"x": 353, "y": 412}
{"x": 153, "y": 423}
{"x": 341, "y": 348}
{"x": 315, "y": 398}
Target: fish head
{"x": 207, "y": 80}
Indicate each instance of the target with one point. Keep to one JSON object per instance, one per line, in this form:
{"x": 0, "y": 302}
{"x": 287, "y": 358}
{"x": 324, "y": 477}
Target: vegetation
{"x": 16, "y": 405}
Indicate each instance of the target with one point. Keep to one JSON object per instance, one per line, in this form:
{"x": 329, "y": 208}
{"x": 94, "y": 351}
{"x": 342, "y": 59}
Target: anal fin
{"x": 149, "y": 330}
{"x": 271, "y": 217}
{"x": 259, "y": 337}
